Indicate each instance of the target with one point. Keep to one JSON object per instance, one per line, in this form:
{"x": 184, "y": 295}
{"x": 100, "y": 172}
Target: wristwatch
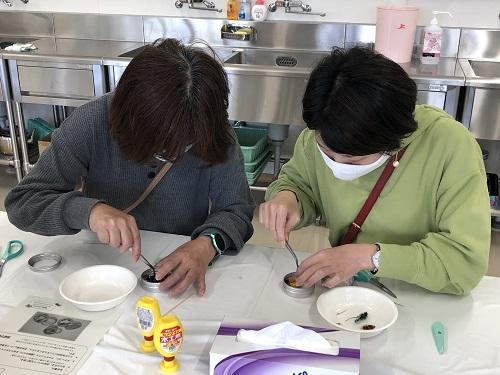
{"x": 376, "y": 260}
{"x": 218, "y": 244}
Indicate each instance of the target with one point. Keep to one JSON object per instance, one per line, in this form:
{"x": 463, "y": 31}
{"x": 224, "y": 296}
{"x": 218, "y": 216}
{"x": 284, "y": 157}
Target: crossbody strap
{"x": 355, "y": 227}
{"x": 150, "y": 187}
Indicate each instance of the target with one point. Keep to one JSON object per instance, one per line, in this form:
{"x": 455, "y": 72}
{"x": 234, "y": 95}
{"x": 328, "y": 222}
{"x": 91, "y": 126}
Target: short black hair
{"x": 172, "y": 96}
{"x": 360, "y": 102}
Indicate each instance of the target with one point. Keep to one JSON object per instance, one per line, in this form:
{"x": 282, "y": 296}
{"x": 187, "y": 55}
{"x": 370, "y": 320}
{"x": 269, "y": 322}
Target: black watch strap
{"x": 218, "y": 244}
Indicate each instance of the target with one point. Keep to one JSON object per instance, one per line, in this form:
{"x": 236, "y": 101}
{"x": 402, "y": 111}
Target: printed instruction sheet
{"x": 50, "y": 337}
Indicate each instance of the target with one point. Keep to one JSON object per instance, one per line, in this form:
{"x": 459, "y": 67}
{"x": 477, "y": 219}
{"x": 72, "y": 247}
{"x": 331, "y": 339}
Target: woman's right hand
{"x": 115, "y": 228}
{"x": 280, "y": 215}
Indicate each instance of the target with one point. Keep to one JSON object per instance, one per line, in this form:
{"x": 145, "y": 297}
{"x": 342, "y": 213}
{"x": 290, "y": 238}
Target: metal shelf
{"x": 262, "y": 182}
{"x": 495, "y": 212}
{"x": 6, "y": 160}
{"x": 258, "y": 188}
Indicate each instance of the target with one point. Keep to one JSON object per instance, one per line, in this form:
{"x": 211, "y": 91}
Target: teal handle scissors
{"x": 366, "y": 276}
{"x": 11, "y": 250}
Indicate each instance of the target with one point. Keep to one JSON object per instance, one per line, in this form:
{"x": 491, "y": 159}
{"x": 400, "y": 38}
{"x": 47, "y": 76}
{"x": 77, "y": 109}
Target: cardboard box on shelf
{"x": 43, "y": 144}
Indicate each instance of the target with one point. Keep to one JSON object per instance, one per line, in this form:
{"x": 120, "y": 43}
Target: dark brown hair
{"x": 172, "y": 96}
{"x": 360, "y": 102}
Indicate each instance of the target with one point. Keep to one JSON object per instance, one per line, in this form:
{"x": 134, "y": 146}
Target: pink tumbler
{"x": 395, "y": 33}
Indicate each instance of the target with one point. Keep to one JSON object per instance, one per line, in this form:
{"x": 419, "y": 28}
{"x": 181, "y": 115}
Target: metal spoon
{"x": 292, "y": 252}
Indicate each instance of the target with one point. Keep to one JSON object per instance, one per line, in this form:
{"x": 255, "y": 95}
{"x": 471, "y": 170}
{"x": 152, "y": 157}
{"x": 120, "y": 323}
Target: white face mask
{"x": 349, "y": 172}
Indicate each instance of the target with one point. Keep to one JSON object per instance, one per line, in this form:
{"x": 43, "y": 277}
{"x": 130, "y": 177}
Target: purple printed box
{"x": 229, "y": 356}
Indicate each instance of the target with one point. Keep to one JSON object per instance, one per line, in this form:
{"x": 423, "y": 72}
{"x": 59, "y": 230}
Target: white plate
{"x": 339, "y": 304}
{"x": 98, "y": 288}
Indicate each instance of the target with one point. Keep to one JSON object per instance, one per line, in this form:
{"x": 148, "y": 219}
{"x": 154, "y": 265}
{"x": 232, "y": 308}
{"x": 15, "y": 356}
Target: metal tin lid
{"x": 148, "y": 283}
{"x": 45, "y": 262}
{"x": 294, "y": 291}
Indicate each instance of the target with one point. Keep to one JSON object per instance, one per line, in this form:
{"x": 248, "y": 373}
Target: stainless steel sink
{"x": 490, "y": 69}
{"x": 133, "y": 53}
{"x": 481, "y": 110}
{"x": 269, "y": 84}
{"x": 481, "y": 73}
{"x": 286, "y": 59}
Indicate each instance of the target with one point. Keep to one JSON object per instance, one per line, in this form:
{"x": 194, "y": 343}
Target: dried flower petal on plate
{"x": 359, "y": 318}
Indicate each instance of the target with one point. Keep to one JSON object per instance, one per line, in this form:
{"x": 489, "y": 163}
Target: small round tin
{"x": 295, "y": 291}
{"x": 148, "y": 281}
{"x": 45, "y": 262}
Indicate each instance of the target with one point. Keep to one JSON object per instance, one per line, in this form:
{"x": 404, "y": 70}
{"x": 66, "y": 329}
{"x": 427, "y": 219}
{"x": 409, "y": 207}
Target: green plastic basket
{"x": 41, "y": 128}
{"x": 252, "y": 167}
{"x": 253, "y": 142}
{"x": 253, "y": 176}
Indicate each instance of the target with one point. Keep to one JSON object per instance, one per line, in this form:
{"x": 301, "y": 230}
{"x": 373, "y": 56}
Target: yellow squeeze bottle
{"x": 167, "y": 340}
{"x": 148, "y": 315}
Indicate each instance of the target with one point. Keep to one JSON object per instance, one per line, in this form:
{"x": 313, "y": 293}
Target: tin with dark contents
{"x": 290, "y": 287}
{"x": 148, "y": 281}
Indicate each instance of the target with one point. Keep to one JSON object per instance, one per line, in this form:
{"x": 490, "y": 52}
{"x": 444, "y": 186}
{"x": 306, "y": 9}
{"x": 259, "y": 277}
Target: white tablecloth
{"x": 248, "y": 286}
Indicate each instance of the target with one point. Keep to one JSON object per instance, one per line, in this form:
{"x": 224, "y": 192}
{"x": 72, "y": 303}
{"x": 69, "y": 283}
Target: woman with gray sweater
{"x": 168, "y": 114}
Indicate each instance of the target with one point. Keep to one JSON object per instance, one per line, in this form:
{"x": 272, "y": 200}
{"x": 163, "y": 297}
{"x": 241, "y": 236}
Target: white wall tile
{"x": 467, "y": 13}
{"x": 76, "y": 6}
{"x": 157, "y": 8}
{"x": 352, "y": 11}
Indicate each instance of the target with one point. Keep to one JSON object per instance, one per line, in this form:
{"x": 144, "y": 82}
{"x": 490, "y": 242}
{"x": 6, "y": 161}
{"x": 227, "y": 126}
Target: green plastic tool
{"x": 438, "y": 333}
{"x": 11, "y": 250}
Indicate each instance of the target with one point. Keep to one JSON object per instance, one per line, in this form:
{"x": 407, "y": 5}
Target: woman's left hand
{"x": 336, "y": 264}
{"x": 186, "y": 265}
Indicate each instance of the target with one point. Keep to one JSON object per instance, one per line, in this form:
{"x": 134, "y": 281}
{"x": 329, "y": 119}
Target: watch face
{"x": 220, "y": 242}
{"x": 376, "y": 259}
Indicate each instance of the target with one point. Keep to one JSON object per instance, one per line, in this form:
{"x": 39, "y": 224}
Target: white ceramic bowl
{"x": 340, "y": 304}
{"x": 98, "y": 288}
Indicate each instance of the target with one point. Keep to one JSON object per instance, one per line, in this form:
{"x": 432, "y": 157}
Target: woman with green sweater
{"x": 430, "y": 225}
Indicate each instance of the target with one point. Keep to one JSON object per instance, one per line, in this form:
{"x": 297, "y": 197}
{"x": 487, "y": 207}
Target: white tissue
{"x": 289, "y": 335}
{"x": 21, "y": 47}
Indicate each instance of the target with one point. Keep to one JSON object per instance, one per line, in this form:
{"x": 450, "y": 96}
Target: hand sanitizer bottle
{"x": 433, "y": 38}
{"x": 259, "y": 11}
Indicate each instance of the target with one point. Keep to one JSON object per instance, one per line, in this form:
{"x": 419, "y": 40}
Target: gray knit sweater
{"x": 45, "y": 202}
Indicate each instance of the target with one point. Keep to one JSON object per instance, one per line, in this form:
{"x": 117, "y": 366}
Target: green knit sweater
{"x": 432, "y": 220}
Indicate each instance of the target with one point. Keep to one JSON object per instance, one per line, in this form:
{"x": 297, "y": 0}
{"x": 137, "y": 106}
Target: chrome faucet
{"x": 289, "y": 6}
{"x": 209, "y": 5}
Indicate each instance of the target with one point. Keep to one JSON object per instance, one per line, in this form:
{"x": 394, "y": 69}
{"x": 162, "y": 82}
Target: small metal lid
{"x": 294, "y": 291}
{"x": 45, "y": 262}
{"x": 146, "y": 283}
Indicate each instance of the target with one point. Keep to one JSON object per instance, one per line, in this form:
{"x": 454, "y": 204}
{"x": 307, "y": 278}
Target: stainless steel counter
{"x": 446, "y": 72}
{"x": 110, "y": 53}
{"x": 222, "y": 53}
{"x": 86, "y": 51}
